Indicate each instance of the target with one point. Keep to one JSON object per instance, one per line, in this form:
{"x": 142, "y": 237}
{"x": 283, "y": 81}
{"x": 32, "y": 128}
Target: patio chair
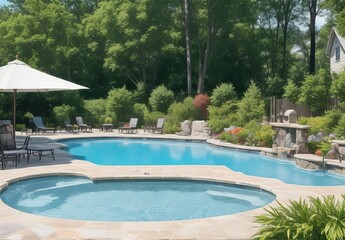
{"x": 157, "y": 128}
{"x": 83, "y": 126}
{"x": 8, "y": 146}
{"x": 39, "y": 126}
{"x": 129, "y": 127}
{"x": 68, "y": 126}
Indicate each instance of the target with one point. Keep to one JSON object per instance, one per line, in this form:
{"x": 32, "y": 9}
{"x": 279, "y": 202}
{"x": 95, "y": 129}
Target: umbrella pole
{"x": 14, "y": 111}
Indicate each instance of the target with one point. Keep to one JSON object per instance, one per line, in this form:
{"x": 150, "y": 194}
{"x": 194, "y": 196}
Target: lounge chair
{"x": 82, "y": 126}
{"x": 8, "y": 146}
{"x": 157, "y": 128}
{"x": 129, "y": 127}
{"x": 39, "y": 126}
{"x": 68, "y": 126}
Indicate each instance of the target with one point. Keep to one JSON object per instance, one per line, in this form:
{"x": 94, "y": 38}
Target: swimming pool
{"x": 110, "y": 151}
{"x": 72, "y": 197}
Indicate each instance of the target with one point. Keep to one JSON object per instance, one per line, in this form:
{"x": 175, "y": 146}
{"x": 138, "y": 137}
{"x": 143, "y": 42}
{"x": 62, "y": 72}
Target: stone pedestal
{"x": 296, "y": 136}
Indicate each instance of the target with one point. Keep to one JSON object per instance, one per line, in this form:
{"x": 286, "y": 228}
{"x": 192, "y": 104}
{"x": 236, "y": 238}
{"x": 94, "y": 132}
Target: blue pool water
{"x": 164, "y": 152}
{"x": 131, "y": 200}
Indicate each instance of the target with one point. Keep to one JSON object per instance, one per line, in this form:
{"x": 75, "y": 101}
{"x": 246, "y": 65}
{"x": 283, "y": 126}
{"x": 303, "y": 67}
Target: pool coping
{"x": 237, "y": 226}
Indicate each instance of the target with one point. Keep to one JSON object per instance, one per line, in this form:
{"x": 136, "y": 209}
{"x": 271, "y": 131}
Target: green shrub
{"x": 96, "y": 108}
{"x": 63, "y": 112}
{"x": 152, "y": 117}
{"x": 119, "y": 104}
{"x": 140, "y": 111}
{"x": 252, "y": 106}
{"x": 140, "y": 94}
{"x": 223, "y": 93}
{"x": 180, "y": 111}
{"x": 108, "y": 120}
{"x": 324, "y": 146}
{"x": 265, "y": 136}
{"x": 161, "y": 98}
{"x": 332, "y": 119}
{"x": 315, "y": 90}
{"x": 227, "y": 137}
{"x": 222, "y": 117}
{"x": 318, "y": 219}
{"x": 292, "y": 91}
{"x": 313, "y": 146}
{"x": 338, "y": 87}
{"x": 171, "y": 128}
{"x": 317, "y": 124}
{"x": 340, "y": 129}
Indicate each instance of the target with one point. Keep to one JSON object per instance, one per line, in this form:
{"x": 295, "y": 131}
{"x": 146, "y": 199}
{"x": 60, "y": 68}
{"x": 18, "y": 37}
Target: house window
{"x": 337, "y": 54}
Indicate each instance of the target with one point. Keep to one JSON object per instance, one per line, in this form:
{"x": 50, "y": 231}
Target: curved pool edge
{"x": 237, "y": 226}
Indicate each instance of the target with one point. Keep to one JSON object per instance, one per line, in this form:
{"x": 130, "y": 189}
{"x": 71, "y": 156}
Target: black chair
{"x": 39, "y": 126}
{"x": 9, "y": 148}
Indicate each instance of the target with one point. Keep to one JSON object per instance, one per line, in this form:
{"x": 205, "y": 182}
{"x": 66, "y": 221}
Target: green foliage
{"x": 324, "y": 146}
{"x": 317, "y": 124}
{"x": 252, "y": 106}
{"x": 223, "y": 116}
{"x": 338, "y": 87}
{"x": 140, "y": 111}
{"x": 108, "y": 120}
{"x": 63, "y": 113}
{"x": 152, "y": 117}
{"x": 265, "y": 136}
{"x": 252, "y": 134}
{"x": 28, "y": 115}
{"x": 223, "y": 93}
{"x": 224, "y": 136}
{"x": 319, "y": 218}
{"x": 140, "y": 94}
{"x": 332, "y": 119}
{"x": 339, "y": 130}
{"x": 180, "y": 111}
{"x": 315, "y": 90}
{"x": 274, "y": 86}
{"x": 291, "y": 91}
{"x": 171, "y": 128}
{"x": 97, "y": 110}
{"x": 161, "y": 98}
{"x": 119, "y": 104}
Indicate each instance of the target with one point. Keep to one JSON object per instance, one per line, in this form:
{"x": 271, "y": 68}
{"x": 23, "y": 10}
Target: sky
{"x": 2, "y": 2}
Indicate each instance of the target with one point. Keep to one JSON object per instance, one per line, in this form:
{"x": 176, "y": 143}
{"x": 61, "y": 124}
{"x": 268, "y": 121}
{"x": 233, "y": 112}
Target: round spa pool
{"x": 72, "y": 197}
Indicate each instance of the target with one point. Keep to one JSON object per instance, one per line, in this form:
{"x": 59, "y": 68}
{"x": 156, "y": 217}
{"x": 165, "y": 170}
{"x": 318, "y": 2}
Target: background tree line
{"x": 189, "y": 46}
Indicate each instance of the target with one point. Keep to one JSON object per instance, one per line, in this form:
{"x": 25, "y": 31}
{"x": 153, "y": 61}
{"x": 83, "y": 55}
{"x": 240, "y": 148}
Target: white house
{"x": 336, "y": 51}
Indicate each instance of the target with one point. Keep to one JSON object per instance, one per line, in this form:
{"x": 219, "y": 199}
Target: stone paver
{"x": 19, "y": 225}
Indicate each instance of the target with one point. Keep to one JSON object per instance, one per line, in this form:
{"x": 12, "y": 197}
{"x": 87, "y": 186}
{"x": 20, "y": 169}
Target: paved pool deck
{"x": 15, "y": 224}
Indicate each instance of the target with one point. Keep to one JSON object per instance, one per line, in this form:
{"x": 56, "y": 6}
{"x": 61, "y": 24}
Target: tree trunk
{"x": 204, "y": 61}
{"x": 188, "y": 41}
{"x": 313, "y": 13}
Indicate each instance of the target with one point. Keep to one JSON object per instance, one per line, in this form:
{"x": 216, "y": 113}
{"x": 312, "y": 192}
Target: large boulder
{"x": 186, "y": 128}
{"x": 201, "y": 129}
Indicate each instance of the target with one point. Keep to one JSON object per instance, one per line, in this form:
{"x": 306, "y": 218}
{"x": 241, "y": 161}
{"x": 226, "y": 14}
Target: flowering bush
{"x": 253, "y": 134}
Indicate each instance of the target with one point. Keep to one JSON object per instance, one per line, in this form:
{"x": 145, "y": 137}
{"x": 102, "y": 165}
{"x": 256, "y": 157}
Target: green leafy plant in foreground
{"x": 308, "y": 220}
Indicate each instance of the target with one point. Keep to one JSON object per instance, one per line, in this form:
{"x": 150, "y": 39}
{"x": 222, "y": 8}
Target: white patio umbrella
{"x": 17, "y": 76}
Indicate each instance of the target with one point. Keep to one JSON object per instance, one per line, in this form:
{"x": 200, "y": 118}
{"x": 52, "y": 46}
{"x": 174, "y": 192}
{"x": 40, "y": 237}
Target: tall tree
{"x": 136, "y": 36}
{"x": 313, "y": 7}
{"x": 277, "y": 18}
{"x": 187, "y": 19}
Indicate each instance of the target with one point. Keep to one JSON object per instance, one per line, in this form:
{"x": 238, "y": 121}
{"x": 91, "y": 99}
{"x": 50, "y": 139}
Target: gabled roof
{"x": 334, "y": 34}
